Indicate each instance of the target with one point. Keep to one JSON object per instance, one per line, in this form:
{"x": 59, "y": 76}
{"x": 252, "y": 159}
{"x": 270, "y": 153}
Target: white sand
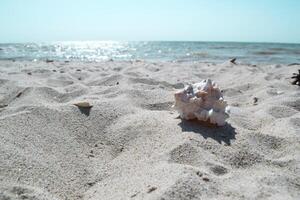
{"x": 132, "y": 145}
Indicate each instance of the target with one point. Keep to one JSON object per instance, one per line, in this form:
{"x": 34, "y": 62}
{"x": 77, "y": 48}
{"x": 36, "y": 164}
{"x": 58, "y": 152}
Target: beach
{"x": 131, "y": 144}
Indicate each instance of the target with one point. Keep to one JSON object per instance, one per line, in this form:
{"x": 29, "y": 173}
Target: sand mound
{"x": 132, "y": 145}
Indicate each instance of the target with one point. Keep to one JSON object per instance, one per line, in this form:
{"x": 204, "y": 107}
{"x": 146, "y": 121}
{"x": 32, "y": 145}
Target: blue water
{"x": 154, "y": 51}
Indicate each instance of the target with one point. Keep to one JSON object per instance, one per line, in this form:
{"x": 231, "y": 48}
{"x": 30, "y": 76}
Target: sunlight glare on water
{"x": 97, "y": 51}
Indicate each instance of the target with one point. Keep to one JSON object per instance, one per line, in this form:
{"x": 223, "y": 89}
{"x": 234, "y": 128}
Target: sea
{"x": 98, "y": 51}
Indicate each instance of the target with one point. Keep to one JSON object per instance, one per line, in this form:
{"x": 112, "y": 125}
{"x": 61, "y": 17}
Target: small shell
{"x": 83, "y": 104}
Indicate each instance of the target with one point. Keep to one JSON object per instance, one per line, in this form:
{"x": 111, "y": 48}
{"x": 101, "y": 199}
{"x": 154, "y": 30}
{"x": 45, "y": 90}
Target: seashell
{"x": 203, "y": 101}
{"x": 83, "y": 104}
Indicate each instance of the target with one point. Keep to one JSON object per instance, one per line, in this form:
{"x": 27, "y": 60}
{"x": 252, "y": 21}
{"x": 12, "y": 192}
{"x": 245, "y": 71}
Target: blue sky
{"x": 194, "y": 20}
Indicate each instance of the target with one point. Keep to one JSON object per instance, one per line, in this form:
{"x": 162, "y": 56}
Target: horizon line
{"x": 207, "y": 41}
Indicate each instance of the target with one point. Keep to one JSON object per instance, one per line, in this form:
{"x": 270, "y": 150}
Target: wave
{"x": 200, "y": 54}
{"x": 265, "y": 52}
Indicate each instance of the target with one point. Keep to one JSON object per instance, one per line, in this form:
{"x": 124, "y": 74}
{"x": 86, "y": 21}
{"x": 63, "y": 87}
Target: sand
{"x": 132, "y": 145}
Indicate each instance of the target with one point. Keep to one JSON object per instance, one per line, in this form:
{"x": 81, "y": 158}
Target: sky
{"x": 144, "y": 20}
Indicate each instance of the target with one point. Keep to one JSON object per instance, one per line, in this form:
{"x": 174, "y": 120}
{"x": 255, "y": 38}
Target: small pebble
{"x": 199, "y": 174}
{"x": 255, "y": 99}
{"x": 280, "y": 92}
{"x": 151, "y": 189}
{"x": 91, "y": 183}
{"x": 134, "y": 194}
{"x": 205, "y": 179}
{"x": 19, "y": 94}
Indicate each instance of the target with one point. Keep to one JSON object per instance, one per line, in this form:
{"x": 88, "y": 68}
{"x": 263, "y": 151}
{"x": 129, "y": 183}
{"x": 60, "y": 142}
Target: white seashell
{"x": 203, "y": 101}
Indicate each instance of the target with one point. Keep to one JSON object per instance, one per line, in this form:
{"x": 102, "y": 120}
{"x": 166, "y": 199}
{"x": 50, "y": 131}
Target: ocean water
{"x": 98, "y": 51}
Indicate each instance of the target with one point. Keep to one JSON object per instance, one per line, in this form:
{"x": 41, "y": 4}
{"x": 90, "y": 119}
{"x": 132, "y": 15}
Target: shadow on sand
{"x": 86, "y": 111}
{"x": 221, "y": 134}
